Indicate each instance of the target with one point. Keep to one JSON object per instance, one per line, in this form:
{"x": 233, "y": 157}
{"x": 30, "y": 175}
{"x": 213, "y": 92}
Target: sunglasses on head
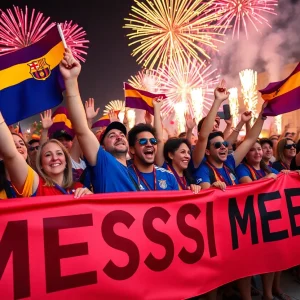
{"x": 34, "y": 148}
{"x": 218, "y": 145}
{"x": 290, "y": 146}
{"x": 144, "y": 141}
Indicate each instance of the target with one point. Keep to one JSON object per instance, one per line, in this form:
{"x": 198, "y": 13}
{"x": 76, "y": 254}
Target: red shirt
{"x": 44, "y": 190}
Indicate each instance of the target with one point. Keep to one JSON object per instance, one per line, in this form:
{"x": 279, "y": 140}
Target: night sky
{"x": 109, "y": 62}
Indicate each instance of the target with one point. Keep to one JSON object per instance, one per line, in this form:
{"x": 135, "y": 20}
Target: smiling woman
{"x": 54, "y": 168}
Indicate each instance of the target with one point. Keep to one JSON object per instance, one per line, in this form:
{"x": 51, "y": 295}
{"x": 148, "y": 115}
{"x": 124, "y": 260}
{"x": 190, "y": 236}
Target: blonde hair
{"x": 280, "y": 149}
{"x": 68, "y": 175}
{"x": 26, "y": 145}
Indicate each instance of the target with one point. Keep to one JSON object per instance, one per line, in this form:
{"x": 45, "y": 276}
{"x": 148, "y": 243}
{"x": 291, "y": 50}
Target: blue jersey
{"x": 204, "y": 173}
{"x": 109, "y": 175}
{"x": 242, "y": 171}
{"x": 165, "y": 180}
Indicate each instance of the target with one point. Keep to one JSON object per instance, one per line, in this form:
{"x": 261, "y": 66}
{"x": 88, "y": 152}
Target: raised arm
{"x": 46, "y": 124}
{"x": 70, "y": 70}
{"x": 227, "y": 130}
{"x": 250, "y": 138}
{"x": 159, "y": 158}
{"x": 15, "y": 163}
{"x": 245, "y": 118}
{"x": 221, "y": 94}
{"x": 190, "y": 125}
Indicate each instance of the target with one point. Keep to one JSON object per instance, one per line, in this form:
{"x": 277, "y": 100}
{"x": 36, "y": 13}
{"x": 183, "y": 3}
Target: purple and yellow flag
{"x": 30, "y": 79}
{"x": 140, "y": 99}
{"x": 102, "y": 122}
{"x": 283, "y": 96}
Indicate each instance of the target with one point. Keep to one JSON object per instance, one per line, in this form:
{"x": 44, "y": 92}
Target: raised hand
{"x": 229, "y": 121}
{"x": 246, "y": 116}
{"x": 47, "y": 119}
{"x": 113, "y": 117}
{"x": 157, "y": 102}
{"x": 221, "y": 93}
{"x": 69, "y": 67}
{"x": 190, "y": 122}
{"x": 90, "y": 111}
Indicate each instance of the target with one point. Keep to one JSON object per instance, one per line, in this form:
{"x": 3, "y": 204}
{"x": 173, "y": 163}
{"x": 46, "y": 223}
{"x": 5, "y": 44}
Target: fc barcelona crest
{"x": 162, "y": 184}
{"x": 39, "y": 69}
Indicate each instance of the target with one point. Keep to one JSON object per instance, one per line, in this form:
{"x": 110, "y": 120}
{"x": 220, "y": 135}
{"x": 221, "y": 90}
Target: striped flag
{"x": 102, "y": 122}
{"x": 140, "y": 99}
{"x": 283, "y": 96}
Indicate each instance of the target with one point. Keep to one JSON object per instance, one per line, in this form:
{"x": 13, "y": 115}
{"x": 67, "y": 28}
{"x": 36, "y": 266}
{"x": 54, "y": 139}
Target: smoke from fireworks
{"x": 75, "y": 39}
{"x": 19, "y": 29}
{"x": 176, "y": 29}
{"x": 241, "y": 13}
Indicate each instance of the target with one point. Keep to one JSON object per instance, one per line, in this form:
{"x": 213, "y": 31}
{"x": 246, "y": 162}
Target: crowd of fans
{"x": 119, "y": 159}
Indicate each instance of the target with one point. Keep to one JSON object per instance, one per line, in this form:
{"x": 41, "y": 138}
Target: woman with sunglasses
{"x": 286, "y": 151}
{"x": 53, "y": 164}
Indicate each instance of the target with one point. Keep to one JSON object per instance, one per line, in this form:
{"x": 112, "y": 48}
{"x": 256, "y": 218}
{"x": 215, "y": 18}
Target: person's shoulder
{"x": 163, "y": 170}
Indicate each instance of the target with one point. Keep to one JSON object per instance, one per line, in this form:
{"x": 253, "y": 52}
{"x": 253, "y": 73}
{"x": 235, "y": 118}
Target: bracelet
{"x": 1, "y": 122}
{"x": 236, "y": 130}
{"x": 263, "y": 118}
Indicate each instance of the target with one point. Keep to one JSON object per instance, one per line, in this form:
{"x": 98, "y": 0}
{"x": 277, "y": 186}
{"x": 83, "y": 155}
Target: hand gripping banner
{"x": 147, "y": 245}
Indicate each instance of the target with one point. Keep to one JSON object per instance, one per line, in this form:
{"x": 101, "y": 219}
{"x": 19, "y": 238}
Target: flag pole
{"x": 62, "y": 35}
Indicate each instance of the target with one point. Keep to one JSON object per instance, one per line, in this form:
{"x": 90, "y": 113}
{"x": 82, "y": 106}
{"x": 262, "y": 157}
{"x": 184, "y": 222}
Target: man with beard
{"x": 143, "y": 148}
{"x": 218, "y": 169}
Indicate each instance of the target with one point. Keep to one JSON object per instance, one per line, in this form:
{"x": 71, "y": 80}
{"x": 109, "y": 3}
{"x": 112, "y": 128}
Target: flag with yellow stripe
{"x": 283, "y": 96}
{"x": 30, "y": 79}
{"x": 140, "y": 99}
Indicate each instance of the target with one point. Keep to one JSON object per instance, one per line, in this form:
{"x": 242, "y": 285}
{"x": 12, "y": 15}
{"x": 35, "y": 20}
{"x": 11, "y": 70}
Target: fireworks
{"x": 19, "y": 29}
{"x": 171, "y": 29}
{"x": 197, "y": 103}
{"x": 234, "y": 105}
{"x": 75, "y": 39}
{"x": 115, "y": 105}
{"x": 249, "y": 81}
{"x": 244, "y": 12}
{"x": 145, "y": 80}
{"x": 179, "y": 81}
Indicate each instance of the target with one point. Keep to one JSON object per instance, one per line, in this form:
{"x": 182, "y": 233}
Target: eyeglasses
{"x": 34, "y": 148}
{"x": 290, "y": 146}
{"x": 144, "y": 141}
{"x": 218, "y": 145}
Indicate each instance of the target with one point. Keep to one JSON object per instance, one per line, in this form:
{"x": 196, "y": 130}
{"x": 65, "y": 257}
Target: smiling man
{"x": 143, "y": 148}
